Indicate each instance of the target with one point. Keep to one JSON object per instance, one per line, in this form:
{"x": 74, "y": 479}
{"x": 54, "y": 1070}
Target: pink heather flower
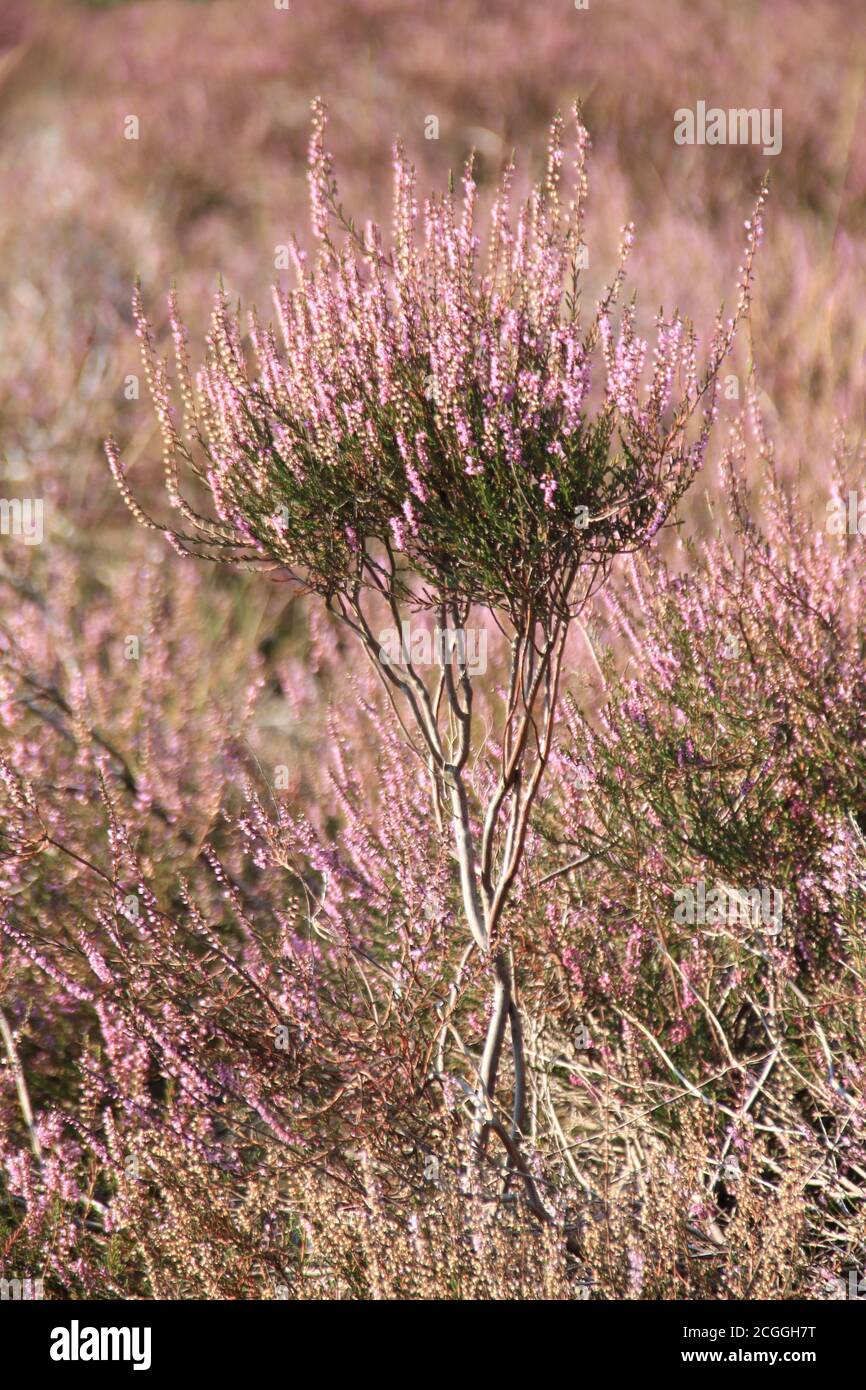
{"x": 411, "y": 520}
{"x": 548, "y": 485}
{"x": 636, "y": 1268}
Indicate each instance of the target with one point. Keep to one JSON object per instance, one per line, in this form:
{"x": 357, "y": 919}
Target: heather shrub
{"x": 151, "y": 917}
{"x": 707, "y": 939}
{"x": 426, "y": 442}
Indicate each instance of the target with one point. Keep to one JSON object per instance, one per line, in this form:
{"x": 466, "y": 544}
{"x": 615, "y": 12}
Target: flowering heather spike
{"x": 322, "y": 186}
{"x": 112, "y": 453}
